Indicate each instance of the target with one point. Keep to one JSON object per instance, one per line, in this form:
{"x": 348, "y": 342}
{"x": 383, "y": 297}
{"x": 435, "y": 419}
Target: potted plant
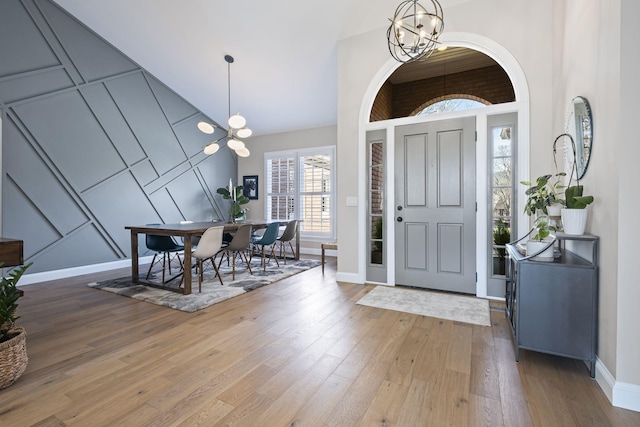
{"x": 237, "y": 198}
{"x": 13, "y": 344}
{"x": 540, "y": 197}
{"x": 574, "y": 216}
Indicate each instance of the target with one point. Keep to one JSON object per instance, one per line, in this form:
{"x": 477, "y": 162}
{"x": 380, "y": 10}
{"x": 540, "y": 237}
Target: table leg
{"x": 187, "y": 265}
{"x": 135, "y": 274}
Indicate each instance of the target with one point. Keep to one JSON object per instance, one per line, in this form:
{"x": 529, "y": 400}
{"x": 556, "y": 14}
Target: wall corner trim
{"x": 621, "y": 395}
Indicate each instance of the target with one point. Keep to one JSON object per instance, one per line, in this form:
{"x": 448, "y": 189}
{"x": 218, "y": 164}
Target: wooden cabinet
{"x": 11, "y": 252}
{"x": 553, "y": 306}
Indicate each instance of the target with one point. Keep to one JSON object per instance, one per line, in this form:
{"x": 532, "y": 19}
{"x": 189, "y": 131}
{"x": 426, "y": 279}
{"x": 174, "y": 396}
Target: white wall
{"x": 254, "y": 164}
{"x": 360, "y": 58}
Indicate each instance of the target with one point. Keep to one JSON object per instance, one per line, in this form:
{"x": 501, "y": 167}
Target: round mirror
{"x": 580, "y": 126}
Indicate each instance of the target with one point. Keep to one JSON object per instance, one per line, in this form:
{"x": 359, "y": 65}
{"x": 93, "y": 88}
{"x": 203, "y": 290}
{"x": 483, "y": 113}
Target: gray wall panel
{"x": 72, "y": 251}
{"x": 39, "y": 234}
{"x": 77, "y": 41}
{"x": 12, "y": 90}
{"x": 74, "y": 140}
{"x": 117, "y": 129}
{"x": 22, "y": 46}
{"x": 144, "y": 172}
{"x": 146, "y": 119}
{"x": 47, "y": 194}
{"x": 173, "y": 106}
{"x": 80, "y": 162}
{"x": 117, "y": 203}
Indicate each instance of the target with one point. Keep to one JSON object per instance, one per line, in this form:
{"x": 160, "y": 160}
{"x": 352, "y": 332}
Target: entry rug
{"x": 212, "y": 291}
{"x": 465, "y": 309}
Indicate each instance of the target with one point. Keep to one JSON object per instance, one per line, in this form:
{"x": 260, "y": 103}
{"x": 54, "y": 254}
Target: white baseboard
{"x": 349, "y": 278}
{"x": 29, "y": 279}
{"x": 621, "y": 395}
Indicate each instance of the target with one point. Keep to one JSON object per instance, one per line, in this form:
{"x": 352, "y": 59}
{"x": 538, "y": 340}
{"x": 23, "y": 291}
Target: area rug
{"x": 427, "y": 303}
{"x": 212, "y": 291}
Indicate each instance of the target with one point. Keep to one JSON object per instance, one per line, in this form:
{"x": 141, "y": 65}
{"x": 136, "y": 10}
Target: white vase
{"x": 534, "y": 246}
{"x": 574, "y": 221}
{"x": 554, "y": 211}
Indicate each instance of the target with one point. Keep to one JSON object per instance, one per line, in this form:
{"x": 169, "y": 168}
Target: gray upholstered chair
{"x": 287, "y": 236}
{"x": 238, "y": 245}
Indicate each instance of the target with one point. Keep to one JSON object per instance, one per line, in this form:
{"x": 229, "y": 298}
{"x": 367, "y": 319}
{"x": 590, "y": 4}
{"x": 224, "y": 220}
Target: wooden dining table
{"x": 187, "y": 230}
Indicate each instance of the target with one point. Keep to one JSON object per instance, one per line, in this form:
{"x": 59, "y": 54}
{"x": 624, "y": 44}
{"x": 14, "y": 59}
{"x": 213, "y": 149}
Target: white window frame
{"x": 297, "y": 155}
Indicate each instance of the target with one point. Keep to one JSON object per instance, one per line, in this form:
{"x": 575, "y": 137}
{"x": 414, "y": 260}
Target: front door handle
{"x": 399, "y": 219}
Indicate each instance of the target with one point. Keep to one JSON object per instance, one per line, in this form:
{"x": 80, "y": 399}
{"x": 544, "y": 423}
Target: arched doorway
{"x": 379, "y": 137}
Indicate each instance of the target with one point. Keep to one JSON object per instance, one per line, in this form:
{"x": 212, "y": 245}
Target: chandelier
{"x": 414, "y": 30}
{"x": 236, "y": 130}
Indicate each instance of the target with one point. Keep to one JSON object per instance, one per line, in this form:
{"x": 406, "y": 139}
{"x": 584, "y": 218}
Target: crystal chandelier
{"x": 236, "y": 130}
{"x": 414, "y": 30}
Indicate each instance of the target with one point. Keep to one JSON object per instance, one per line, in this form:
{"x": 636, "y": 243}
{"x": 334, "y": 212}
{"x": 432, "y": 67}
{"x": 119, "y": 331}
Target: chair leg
{"x": 322, "y": 261}
{"x": 248, "y": 263}
{"x": 151, "y": 266}
{"x": 213, "y": 262}
{"x": 293, "y": 252}
{"x": 273, "y": 255}
{"x": 283, "y": 249}
{"x": 200, "y": 268}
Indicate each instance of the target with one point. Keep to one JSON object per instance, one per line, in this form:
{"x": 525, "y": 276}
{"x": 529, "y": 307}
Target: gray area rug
{"x": 212, "y": 291}
{"x": 465, "y": 309}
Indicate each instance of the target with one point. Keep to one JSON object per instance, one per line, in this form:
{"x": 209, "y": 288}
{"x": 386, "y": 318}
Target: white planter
{"x": 534, "y": 246}
{"x": 574, "y": 221}
{"x": 554, "y": 211}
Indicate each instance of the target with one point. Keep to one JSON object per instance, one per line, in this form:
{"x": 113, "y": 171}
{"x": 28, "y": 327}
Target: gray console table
{"x": 553, "y": 306}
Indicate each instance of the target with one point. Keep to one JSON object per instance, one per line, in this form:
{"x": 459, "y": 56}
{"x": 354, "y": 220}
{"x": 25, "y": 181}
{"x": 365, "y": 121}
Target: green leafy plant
{"x": 9, "y": 300}
{"x": 545, "y": 192}
{"x": 236, "y": 202}
{"x": 543, "y": 228}
{"x": 575, "y": 199}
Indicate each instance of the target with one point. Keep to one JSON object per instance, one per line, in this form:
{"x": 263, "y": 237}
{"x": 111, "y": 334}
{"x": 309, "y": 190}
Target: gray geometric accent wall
{"x": 91, "y": 143}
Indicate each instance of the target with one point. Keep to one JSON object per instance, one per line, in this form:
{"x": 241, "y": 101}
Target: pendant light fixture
{"x": 237, "y": 126}
{"x": 414, "y": 30}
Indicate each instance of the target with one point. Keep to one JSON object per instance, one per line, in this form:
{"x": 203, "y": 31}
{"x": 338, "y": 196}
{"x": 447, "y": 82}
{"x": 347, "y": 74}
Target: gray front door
{"x": 435, "y": 207}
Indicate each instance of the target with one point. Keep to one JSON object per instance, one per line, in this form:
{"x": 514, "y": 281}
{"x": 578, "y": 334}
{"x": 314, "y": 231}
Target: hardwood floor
{"x": 298, "y": 352}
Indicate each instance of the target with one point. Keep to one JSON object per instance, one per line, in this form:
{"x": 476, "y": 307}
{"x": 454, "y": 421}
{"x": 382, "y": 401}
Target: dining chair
{"x": 268, "y": 239}
{"x": 239, "y": 244}
{"x": 168, "y": 248}
{"x": 208, "y": 247}
{"x": 287, "y": 236}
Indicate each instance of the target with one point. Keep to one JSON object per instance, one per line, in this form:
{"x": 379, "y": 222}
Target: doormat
{"x": 212, "y": 291}
{"x": 465, "y": 309}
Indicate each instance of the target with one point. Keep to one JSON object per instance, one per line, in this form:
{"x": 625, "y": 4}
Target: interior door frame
{"x": 521, "y": 106}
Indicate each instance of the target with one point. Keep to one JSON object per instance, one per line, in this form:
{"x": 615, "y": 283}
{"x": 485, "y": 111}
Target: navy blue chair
{"x": 269, "y": 238}
{"x": 168, "y": 249}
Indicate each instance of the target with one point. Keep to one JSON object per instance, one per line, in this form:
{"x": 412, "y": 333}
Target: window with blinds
{"x": 300, "y": 186}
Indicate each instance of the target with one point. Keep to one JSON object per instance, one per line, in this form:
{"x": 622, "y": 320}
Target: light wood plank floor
{"x": 298, "y": 352}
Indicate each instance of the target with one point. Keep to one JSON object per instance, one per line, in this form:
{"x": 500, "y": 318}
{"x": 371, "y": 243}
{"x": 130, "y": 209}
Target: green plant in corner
{"x": 501, "y": 236}
{"x": 9, "y": 301}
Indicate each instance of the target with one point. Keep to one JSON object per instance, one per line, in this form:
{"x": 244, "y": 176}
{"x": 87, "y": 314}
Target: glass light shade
{"x": 206, "y": 127}
{"x": 243, "y": 152}
{"x": 235, "y": 144}
{"x": 211, "y": 148}
{"x": 237, "y": 121}
{"x": 244, "y": 133}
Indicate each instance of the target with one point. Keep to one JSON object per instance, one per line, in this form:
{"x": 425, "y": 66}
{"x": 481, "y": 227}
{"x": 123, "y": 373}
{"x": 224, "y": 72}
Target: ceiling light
{"x": 236, "y": 124}
{"x": 243, "y": 152}
{"x": 211, "y": 148}
{"x": 414, "y": 30}
{"x": 235, "y": 144}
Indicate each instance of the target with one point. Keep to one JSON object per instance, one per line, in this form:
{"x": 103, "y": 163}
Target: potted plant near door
{"x": 13, "y": 344}
{"x": 541, "y": 196}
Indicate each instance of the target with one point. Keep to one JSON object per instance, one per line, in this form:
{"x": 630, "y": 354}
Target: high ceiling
{"x": 285, "y": 72}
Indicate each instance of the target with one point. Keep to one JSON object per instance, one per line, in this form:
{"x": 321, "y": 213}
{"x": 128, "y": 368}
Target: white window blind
{"x": 300, "y": 185}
